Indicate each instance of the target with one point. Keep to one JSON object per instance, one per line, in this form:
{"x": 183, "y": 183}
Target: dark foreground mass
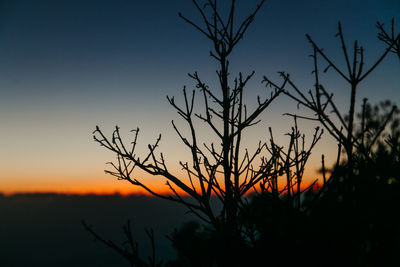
{"x": 45, "y": 229}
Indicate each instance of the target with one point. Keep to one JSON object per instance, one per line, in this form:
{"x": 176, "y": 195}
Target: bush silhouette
{"x": 357, "y": 217}
{"x": 350, "y": 217}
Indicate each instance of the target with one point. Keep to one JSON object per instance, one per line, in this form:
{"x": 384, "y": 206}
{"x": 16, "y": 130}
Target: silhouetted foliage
{"x": 200, "y": 245}
{"x": 222, "y": 167}
{"x": 352, "y": 214}
{"x": 357, "y": 218}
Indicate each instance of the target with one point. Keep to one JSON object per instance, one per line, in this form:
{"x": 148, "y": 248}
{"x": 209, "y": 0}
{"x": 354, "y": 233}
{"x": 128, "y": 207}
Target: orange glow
{"x": 106, "y": 185}
{"x": 111, "y": 186}
{"x": 83, "y": 181}
{"x": 62, "y": 169}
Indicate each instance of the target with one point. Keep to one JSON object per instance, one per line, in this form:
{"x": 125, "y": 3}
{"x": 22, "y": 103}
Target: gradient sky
{"x": 69, "y": 65}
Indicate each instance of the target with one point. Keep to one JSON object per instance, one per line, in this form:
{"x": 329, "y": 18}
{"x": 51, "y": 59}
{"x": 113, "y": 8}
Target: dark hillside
{"x": 46, "y": 230}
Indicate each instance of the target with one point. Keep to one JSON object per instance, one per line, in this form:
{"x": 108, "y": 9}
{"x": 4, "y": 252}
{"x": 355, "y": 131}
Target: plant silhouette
{"x": 222, "y": 167}
{"x": 353, "y": 212}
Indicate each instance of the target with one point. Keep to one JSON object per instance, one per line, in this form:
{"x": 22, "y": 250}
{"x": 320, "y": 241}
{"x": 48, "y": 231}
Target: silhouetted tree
{"x": 224, "y": 167}
{"x": 321, "y": 102}
{"x": 358, "y": 218}
{"x": 281, "y": 223}
{"x": 353, "y": 217}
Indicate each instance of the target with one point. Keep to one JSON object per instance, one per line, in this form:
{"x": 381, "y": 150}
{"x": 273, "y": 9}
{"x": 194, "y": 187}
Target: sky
{"x": 68, "y": 65}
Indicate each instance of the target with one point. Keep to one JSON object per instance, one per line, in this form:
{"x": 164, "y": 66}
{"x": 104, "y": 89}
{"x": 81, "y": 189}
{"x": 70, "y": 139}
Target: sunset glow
{"x": 70, "y": 66}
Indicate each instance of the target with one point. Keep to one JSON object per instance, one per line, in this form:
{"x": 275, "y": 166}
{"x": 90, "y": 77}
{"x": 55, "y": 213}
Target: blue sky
{"x": 67, "y": 66}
